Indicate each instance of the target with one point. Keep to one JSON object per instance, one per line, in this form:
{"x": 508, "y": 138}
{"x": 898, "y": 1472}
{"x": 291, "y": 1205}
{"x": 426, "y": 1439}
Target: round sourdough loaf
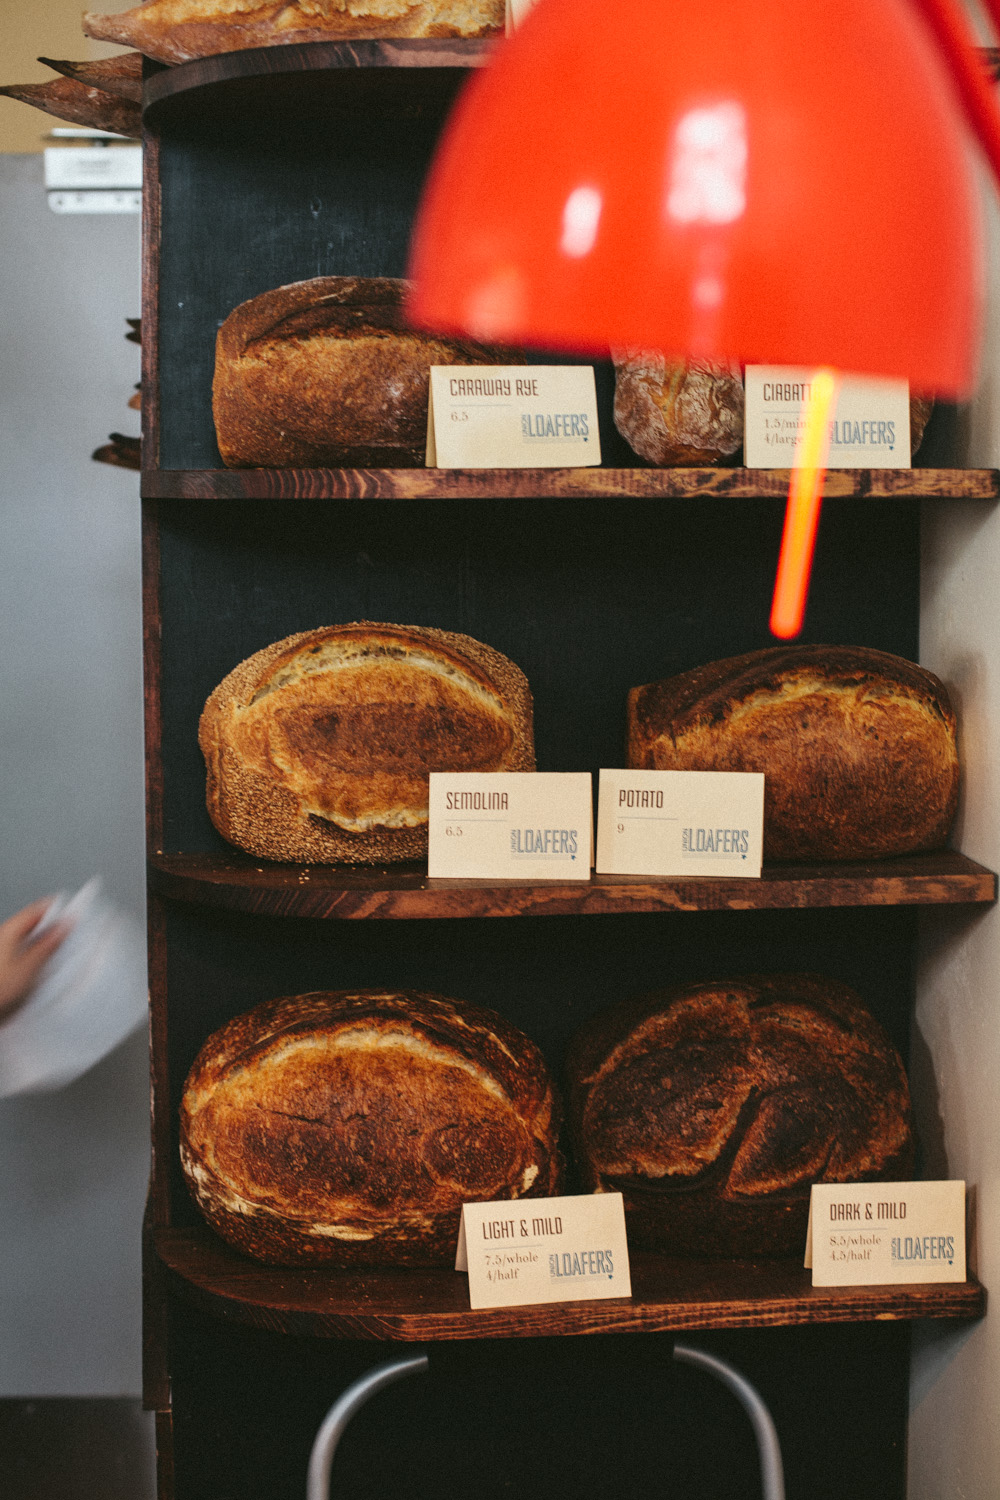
{"x": 319, "y": 747}
{"x": 858, "y": 748}
{"x": 325, "y": 374}
{"x": 713, "y": 1108}
{"x": 349, "y": 1127}
{"x": 174, "y": 31}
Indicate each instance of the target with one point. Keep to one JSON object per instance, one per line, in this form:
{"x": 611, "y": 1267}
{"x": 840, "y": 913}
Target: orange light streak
{"x": 798, "y": 541}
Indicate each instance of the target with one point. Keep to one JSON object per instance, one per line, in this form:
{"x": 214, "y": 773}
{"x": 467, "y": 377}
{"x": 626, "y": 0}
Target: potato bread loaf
{"x": 858, "y": 748}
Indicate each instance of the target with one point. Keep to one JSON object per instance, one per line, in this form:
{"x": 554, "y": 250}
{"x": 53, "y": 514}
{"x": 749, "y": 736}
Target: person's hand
{"x": 21, "y": 957}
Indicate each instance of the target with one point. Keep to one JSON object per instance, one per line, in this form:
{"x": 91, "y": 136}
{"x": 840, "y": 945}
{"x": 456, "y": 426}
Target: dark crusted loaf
{"x": 714, "y": 1107}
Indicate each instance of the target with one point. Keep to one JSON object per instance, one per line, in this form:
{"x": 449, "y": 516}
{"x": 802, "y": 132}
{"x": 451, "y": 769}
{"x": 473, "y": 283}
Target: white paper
{"x": 91, "y": 994}
{"x": 870, "y": 427}
{"x": 531, "y": 825}
{"x": 886, "y": 1233}
{"x": 536, "y": 1250}
{"x": 676, "y": 823}
{"x": 512, "y": 416}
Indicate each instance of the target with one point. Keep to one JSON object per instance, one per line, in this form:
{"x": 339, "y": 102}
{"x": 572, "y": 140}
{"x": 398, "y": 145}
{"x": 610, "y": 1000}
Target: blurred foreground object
{"x": 90, "y": 995}
{"x": 26, "y": 943}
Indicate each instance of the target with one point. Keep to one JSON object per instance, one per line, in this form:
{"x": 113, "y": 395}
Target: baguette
{"x": 176, "y": 31}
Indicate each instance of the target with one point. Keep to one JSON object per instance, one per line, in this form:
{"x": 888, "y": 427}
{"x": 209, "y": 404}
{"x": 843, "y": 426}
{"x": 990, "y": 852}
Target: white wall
{"x": 955, "y": 1396}
{"x": 73, "y": 1165}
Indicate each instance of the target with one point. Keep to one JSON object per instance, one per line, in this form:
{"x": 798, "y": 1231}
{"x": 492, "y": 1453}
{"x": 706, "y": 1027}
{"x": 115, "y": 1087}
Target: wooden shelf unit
{"x": 605, "y": 484}
{"x": 238, "y": 883}
{"x": 668, "y": 1295}
{"x": 262, "y": 168}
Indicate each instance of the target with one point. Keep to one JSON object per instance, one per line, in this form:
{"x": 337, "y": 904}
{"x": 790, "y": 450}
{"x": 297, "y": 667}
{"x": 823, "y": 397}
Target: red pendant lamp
{"x": 770, "y": 182}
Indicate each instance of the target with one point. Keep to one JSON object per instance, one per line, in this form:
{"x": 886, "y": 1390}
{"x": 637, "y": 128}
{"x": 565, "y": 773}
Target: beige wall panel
{"x": 50, "y": 28}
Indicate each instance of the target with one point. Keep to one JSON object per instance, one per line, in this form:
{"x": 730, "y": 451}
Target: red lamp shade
{"x": 769, "y": 182}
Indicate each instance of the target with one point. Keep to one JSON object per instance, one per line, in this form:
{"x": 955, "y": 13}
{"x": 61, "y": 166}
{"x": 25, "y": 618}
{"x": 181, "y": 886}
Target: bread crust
{"x": 674, "y": 412}
{"x": 318, "y": 747}
{"x": 324, "y": 373}
{"x": 348, "y": 1127}
{"x": 714, "y": 1107}
{"x": 176, "y": 31}
{"x": 858, "y": 747}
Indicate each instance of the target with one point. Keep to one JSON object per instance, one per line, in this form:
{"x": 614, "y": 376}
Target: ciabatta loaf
{"x": 325, "y": 374}
{"x": 319, "y": 747}
{"x": 714, "y": 1107}
{"x": 175, "y": 31}
{"x": 674, "y": 412}
{"x": 349, "y": 1127}
{"x": 858, "y": 748}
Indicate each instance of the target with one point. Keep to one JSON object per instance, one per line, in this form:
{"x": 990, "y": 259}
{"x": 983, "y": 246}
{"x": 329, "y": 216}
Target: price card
{"x": 544, "y": 1250}
{"x": 884, "y": 1233}
{"x": 680, "y": 823}
{"x": 870, "y": 427}
{"x": 515, "y": 12}
{"x": 512, "y": 417}
{"x": 534, "y": 825}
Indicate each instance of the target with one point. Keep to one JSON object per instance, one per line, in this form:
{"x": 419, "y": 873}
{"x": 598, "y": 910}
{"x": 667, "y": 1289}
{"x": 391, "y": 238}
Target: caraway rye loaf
{"x": 325, "y": 374}
{"x": 348, "y": 1127}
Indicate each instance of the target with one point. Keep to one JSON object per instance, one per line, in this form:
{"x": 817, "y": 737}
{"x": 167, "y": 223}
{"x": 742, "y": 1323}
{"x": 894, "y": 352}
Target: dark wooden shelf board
{"x": 613, "y": 484}
{"x": 304, "y": 82}
{"x": 412, "y": 1305}
{"x": 238, "y": 883}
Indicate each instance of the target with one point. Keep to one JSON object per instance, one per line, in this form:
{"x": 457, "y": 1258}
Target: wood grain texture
{"x": 407, "y": 1305}
{"x": 314, "y": 80}
{"x": 614, "y": 484}
{"x": 238, "y": 883}
{"x": 147, "y": 330}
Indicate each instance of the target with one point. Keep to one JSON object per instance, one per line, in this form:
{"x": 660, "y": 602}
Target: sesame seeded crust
{"x": 714, "y": 1107}
{"x": 330, "y": 766}
{"x": 348, "y": 1127}
{"x": 858, "y": 747}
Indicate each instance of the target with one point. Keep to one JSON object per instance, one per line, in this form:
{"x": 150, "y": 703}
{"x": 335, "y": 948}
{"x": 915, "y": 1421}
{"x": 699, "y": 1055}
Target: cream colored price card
{"x": 544, "y": 1250}
{"x": 515, "y": 12}
{"x": 680, "y": 823}
{"x": 883, "y": 1233}
{"x": 512, "y": 417}
{"x": 534, "y": 825}
{"x": 870, "y": 428}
